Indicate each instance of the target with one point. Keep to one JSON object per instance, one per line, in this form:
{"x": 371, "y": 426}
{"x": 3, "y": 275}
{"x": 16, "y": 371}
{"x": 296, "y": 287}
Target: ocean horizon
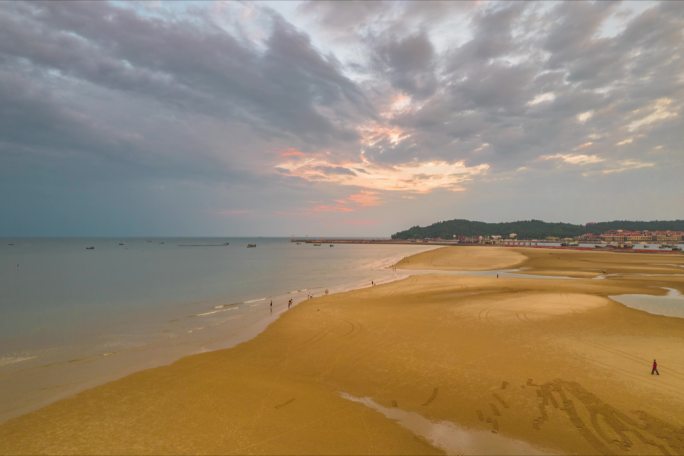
{"x": 75, "y": 317}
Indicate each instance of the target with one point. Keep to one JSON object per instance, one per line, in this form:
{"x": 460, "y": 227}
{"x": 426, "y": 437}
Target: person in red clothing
{"x": 655, "y": 368}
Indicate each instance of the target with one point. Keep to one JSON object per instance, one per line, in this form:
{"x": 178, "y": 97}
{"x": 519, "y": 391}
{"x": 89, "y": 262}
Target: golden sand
{"x": 551, "y": 362}
{"x": 468, "y": 259}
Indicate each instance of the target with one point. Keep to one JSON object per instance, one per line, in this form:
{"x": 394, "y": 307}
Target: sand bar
{"x": 553, "y": 363}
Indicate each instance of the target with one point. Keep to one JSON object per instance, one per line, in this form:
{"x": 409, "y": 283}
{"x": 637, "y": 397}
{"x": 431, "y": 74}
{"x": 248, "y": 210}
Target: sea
{"x": 78, "y": 312}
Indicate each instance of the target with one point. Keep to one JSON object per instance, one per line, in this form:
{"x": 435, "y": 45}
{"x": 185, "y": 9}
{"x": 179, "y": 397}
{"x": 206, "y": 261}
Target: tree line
{"x": 530, "y": 229}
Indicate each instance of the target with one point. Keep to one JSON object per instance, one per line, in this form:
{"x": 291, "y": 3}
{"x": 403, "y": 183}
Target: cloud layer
{"x": 232, "y": 114}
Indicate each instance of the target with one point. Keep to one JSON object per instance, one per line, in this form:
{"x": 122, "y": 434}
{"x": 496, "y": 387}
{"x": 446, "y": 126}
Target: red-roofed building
{"x": 642, "y": 236}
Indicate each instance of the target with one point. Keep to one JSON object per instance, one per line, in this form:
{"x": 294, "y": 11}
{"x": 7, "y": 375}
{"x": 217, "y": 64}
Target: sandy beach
{"x": 509, "y": 365}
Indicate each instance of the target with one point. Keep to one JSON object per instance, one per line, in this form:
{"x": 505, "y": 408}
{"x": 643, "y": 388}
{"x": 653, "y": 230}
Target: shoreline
{"x": 159, "y": 354}
{"x": 484, "y": 353}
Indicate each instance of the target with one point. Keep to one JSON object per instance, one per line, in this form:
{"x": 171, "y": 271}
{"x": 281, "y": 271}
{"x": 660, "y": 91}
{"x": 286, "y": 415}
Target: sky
{"x": 336, "y": 118}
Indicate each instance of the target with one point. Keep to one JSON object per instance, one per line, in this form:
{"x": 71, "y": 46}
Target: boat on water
{"x": 317, "y": 244}
{"x": 121, "y": 243}
{"x": 91, "y": 247}
{"x": 249, "y": 246}
{"x": 332, "y": 245}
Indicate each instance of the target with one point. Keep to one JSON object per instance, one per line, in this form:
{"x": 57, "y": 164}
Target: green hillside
{"x": 529, "y": 229}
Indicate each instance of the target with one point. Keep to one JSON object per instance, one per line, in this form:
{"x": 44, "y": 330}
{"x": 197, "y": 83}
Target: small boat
{"x": 226, "y": 243}
{"x": 121, "y": 243}
{"x": 162, "y": 242}
{"x": 251, "y": 245}
{"x": 332, "y": 245}
{"x": 317, "y": 244}
{"x": 90, "y": 247}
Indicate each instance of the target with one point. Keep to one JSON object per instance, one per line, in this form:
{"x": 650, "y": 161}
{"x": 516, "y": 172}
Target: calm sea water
{"x": 74, "y": 317}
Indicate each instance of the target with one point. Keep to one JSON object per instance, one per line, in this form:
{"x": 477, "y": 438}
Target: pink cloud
{"x": 291, "y": 152}
{"x": 350, "y": 203}
{"x": 365, "y": 198}
{"x": 372, "y": 134}
{"x": 414, "y": 177}
{"x": 339, "y": 207}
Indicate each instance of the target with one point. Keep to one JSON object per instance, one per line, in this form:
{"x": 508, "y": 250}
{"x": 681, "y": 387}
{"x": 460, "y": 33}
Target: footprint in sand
{"x": 432, "y": 397}
{"x": 287, "y": 402}
{"x": 495, "y": 410}
{"x": 500, "y": 400}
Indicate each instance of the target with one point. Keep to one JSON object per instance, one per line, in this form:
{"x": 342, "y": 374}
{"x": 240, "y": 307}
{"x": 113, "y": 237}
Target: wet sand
{"x": 548, "y": 365}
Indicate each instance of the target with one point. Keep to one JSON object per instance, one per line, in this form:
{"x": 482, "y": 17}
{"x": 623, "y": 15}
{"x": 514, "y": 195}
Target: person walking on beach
{"x": 654, "y": 370}
{"x": 289, "y": 303}
{"x": 271, "y": 305}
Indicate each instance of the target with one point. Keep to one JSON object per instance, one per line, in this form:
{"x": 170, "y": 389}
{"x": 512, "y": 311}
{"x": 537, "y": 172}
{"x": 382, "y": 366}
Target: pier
{"x": 456, "y": 243}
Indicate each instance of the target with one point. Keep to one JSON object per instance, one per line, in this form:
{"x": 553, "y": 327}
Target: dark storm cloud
{"x": 493, "y": 35}
{"x": 408, "y": 62}
{"x": 188, "y": 65}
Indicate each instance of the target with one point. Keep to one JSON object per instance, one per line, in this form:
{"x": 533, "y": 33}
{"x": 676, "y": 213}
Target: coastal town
{"x": 612, "y": 238}
{"x": 630, "y": 240}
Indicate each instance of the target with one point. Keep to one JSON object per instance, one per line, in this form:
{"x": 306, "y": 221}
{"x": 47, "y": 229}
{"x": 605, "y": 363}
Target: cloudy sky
{"x": 339, "y": 118}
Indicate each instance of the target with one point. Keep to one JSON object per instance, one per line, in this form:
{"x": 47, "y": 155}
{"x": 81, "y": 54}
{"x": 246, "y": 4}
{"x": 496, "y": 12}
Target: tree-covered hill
{"x": 529, "y": 229}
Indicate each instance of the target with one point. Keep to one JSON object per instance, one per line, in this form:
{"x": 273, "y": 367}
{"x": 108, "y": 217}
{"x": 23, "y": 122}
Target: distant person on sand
{"x": 271, "y": 305}
{"x": 289, "y": 303}
{"x": 372, "y": 283}
{"x": 655, "y": 368}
